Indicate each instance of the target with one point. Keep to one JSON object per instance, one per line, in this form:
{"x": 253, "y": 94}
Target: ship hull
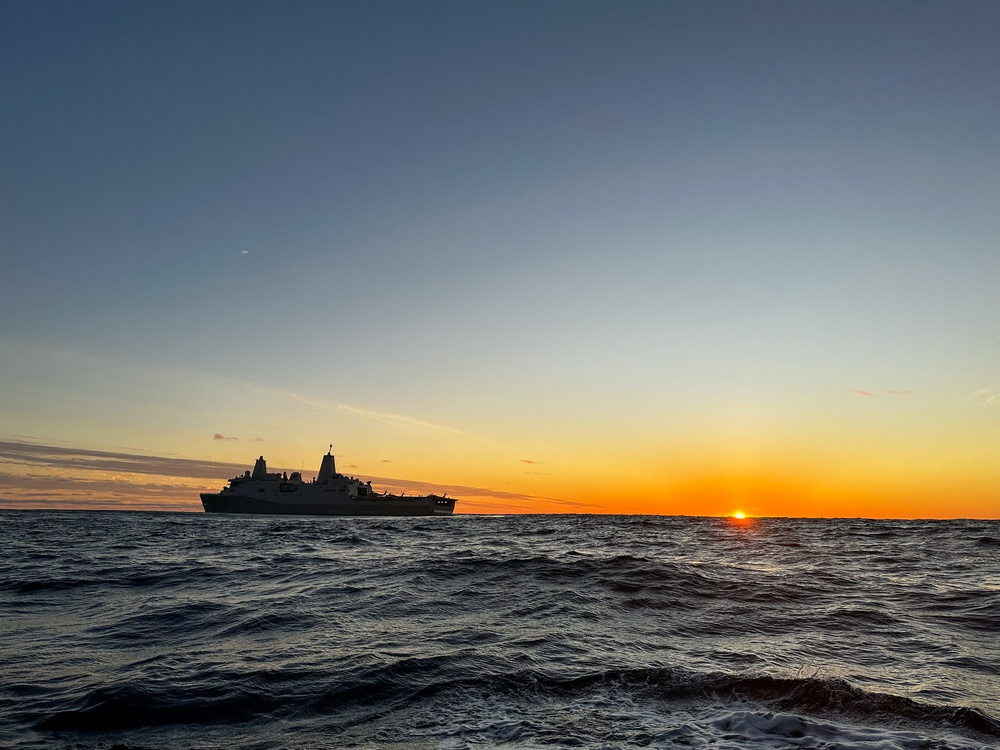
{"x": 377, "y": 506}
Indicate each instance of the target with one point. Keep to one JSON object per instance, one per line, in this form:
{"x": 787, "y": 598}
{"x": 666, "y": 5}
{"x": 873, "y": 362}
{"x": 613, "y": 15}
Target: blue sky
{"x": 482, "y": 233}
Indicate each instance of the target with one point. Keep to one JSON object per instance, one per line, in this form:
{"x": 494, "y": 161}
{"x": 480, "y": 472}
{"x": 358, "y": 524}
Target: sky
{"x": 558, "y": 256}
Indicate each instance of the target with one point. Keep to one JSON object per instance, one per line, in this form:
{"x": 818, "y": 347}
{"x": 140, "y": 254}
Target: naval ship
{"x": 329, "y": 494}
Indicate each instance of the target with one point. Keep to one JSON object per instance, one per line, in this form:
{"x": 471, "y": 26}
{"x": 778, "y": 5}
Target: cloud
{"x": 47, "y": 491}
{"x": 529, "y": 461}
{"x": 318, "y": 403}
{"x": 220, "y": 436}
{"x": 906, "y": 392}
{"x": 386, "y": 461}
{"x": 67, "y": 459}
{"x": 96, "y": 503}
{"x": 989, "y": 396}
{"x": 231, "y": 385}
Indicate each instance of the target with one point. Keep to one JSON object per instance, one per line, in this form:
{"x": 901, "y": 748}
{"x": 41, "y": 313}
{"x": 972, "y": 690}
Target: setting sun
{"x": 739, "y": 514}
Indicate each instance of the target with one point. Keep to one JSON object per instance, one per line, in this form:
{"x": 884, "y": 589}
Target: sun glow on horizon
{"x": 739, "y": 515}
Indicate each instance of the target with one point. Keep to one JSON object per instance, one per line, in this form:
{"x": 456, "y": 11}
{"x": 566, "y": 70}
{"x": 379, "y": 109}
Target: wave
{"x": 412, "y": 682}
{"x": 800, "y": 695}
{"x": 149, "y": 577}
{"x": 136, "y": 706}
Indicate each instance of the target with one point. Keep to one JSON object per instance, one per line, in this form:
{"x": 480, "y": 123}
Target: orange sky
{"x": 39, "y": 476}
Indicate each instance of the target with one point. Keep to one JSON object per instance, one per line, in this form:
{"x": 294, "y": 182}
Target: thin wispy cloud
{"x": 989, "y": 396}
{"x": 315, "y": 403}
{"x": 529, "y": 461}
{"x": 220, "y": 436}
{"x": 80, "y": 459}
{"x": 378, "y": 416}
{"x": 96, "y": 503}
{"x": 891, "y": 392}
{"x": 47, "y": 491}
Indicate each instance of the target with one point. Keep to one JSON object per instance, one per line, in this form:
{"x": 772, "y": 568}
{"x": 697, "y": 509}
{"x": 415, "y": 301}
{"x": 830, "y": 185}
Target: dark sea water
{"x": 189, "y": 630}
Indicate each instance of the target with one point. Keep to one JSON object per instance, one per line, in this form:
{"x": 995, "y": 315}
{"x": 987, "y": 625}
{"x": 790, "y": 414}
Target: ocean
{"x": 155, "y": 630}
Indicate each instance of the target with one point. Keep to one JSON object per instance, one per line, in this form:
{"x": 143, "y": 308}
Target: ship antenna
{"x": 331, "y": 448}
